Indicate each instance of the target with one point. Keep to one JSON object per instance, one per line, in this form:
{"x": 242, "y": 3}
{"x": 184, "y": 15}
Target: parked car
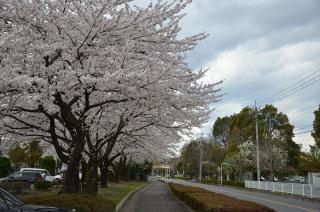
{"x": 29, "y": 177}
{"x": 44, "y": 173}
{"x": 58, "y": 177}
{"x": 9, "y": 203}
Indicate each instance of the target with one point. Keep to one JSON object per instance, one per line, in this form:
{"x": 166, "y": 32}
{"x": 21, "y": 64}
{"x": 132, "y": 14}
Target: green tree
{"x": 17, "y": 156}
{"x": 240, "y": 129}
{"x": 5, "y": 166}
{"x": 316, "y": 127}
{"x": 190, "y": 158}
{"x": 220, "y": 130}
{"x": 49, "y": 163}
{"x": 310, "y": 161}
{"x": 34, "y": 152}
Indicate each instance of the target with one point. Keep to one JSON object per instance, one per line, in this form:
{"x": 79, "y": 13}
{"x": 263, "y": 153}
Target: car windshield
{"x": 9, "y": 199}
{"x": 17, "y": 174}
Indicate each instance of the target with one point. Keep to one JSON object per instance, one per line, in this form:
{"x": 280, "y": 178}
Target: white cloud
{"x": 255, "y": 71}
{"x": 258, "y": 47}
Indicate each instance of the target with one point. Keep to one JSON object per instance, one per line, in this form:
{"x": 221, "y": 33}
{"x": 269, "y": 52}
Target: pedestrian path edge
{"x": 121, "y": 203}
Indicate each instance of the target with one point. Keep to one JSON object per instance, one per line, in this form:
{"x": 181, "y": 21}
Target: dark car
{"x": 29, "y": 177}
{"x": 10, "y": 203}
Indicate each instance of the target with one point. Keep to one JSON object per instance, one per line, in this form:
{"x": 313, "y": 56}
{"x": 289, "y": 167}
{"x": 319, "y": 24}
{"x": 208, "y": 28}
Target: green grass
{"x": 106, "y": 200}
{"x": 117, "y": 191}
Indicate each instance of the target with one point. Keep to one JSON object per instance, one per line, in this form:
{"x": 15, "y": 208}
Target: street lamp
{"x": 221, "y": 171}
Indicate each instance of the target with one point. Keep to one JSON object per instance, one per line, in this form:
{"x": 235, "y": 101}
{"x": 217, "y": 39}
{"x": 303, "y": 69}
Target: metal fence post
{"x": 303, "y": 190}
{"x": 273, "y": 186}
{"x": 292, "y": 188}
{"x": 282, "y": 188}
{"x": 311, "y": 190}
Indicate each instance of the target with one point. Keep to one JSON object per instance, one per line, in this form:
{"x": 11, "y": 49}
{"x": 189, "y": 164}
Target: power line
{"x": 289, "y": 87}
{"x": 296, "y": 89}
{"x": 299, "y": 85}
{"x": 313, "y": 108}
{"x": 303, "y": 113}
{"x": 303, "y": 132}
{"x": 302, "y": 128}
{"x": 306, "y": 125}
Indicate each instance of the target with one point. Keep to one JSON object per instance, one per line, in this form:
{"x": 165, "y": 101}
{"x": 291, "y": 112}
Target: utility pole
{"x": 200, "y": 162}
{"x": 221, "y": 173}
{"x": 270, "y": 146}
{"x": 257, "y": 142}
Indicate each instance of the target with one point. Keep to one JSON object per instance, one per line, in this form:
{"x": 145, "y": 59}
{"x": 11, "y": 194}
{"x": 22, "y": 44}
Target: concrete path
{"x": 155, "y": 197}
{"x": 275, "y": 201}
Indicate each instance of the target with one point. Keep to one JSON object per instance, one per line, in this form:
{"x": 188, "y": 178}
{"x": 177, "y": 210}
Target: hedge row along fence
{"x": 216, "y": 181}
{"x": 225, "y": 182}
{"x": 202, "y": 200}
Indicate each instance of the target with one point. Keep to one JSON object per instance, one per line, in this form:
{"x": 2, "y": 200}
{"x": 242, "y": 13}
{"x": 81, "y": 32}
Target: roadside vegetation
{"x": 232, "y": 145}
{"x": 106, "y": 200}
{"x": 79, "y": 202}
{"x": 117, "y": 191}
{"x": 201, "y": 200}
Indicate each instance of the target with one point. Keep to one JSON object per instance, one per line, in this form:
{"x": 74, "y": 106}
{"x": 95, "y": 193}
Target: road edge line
{"x": 121, "y": 203}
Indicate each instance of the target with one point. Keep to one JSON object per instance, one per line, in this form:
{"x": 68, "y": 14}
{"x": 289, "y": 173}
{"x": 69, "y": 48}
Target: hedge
{"x": 201, "y": 200}
{"x": 15, "y": 187}
{"x": 43, "y": 185}
{"x": 225, "y": 182}
{"x": 79, "y": 202}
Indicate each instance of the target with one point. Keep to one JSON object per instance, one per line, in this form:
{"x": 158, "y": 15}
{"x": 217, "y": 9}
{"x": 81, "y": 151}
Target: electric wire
{"x": 289, "y": 87}
{"x": 303, "y": 132}
{"x": 302, "y": 128}
{"x": 294, "y": 88}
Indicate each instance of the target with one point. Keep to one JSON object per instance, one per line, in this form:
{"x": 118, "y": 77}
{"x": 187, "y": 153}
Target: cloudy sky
{"x": 259, "y": 47}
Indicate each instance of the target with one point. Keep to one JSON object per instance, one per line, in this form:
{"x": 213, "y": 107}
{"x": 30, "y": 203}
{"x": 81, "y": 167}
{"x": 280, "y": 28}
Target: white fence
{"x": 307, "y": 190}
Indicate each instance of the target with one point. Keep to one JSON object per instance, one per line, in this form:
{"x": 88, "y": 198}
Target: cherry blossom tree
{"x": 86, "y": 75}
{"x": 247, "y": 157}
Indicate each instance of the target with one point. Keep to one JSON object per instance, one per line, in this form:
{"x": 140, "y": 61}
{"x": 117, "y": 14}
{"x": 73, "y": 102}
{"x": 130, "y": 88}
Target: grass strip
{"x": 117, "y": 191}
{"x": 105, "y": 201}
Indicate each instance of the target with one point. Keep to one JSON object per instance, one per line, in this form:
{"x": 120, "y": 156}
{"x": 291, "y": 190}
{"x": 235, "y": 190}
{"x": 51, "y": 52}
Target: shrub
{"x": 204, "y": 201}
{"x": 5, "y": 165}
{"x": 79, "y": 202}
{"x": 225, "y": 182}
{"x": 57, "y": 182}
{"x": 43, "y": 185}
{"x": 15, "y": 187}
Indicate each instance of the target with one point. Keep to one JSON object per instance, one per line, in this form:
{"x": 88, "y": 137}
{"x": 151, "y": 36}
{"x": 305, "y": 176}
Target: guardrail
{"x": 307, "y": 190}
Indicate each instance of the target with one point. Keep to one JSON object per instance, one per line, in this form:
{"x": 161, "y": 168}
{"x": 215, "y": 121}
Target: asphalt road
{"x": 155, "y": 197}
{"x": 275, "y": 201}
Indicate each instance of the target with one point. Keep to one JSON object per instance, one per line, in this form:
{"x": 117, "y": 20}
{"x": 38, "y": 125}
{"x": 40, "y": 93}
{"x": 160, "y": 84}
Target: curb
{"x": 121, "y": 203}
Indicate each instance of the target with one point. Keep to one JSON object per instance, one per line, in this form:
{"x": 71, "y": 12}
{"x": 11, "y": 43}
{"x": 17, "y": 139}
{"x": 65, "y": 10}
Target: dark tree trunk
{"x": 71, "y": 182}
{"x": 84, "y": 171}
{"x": 104, "y": 175}
{"x": 91, "y": 179}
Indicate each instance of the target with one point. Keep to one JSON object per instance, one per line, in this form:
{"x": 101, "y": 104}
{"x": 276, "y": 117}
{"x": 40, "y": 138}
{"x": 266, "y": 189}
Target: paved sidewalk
{"x": 155, "y": 197}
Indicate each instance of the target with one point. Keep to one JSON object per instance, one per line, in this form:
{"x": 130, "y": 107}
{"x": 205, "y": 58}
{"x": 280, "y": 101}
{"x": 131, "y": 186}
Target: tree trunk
{"x": 91, "y": 179}
{"x": 104, "y": 176}
{"x": 84, "y": 171}
{"x": 71, "y": 182}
